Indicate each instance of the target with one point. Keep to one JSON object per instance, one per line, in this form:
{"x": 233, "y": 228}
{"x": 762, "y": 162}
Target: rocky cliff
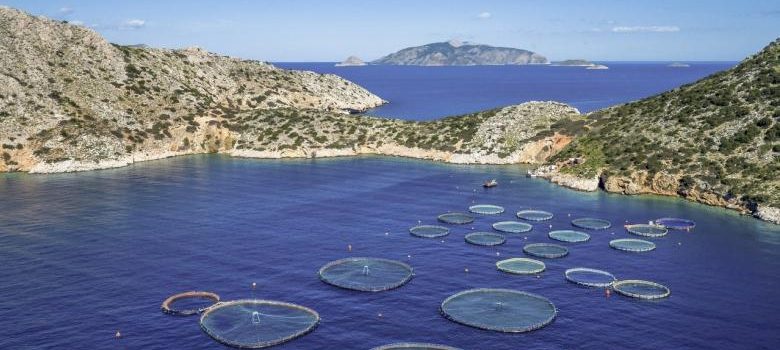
{"x": 460, "y": 54}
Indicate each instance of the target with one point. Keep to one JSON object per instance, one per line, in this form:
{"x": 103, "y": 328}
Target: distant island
{"x": 456, "y": 53}
{"x": 351, "y": 61}
{"x": 679, "y": 65}
{"x": 579, "y": 63}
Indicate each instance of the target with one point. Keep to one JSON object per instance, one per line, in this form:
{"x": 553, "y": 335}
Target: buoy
{"x": 254, "y": 285}
{"x": 550, "y": 225}
{"x": 409, "y": 256}
{"x": 442, "y": 241}
{"x": 466, "y": 269}
{"x": 569, "y": 214}
{"x": 498, "y": 253}
{"x": 679, "y": 243}
{"x": 537, "y": 276}
{"x": 118, "y": 334}
{"x": 526, "y": 237}
{"x": 387, "y": 233}
{"x": 607, "y": 292}
{"x": 349, "y": 247}
{"x": 379, "y": 314}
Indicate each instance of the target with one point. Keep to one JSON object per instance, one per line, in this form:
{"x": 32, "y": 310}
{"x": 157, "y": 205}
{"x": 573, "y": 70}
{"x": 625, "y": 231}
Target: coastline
{"x": 547, "y": 172}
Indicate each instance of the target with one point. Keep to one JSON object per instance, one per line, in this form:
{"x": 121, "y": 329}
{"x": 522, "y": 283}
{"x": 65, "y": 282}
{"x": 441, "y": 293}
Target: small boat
{"x": 489, "y": 184}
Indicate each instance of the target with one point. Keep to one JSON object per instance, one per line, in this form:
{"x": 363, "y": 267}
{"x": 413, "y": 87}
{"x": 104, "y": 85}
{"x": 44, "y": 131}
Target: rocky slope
{"x": 716, "y": 141}
{"x": 351, "y": 61}
{"x": 460, "y": 54}
{"x": 71, "y": 101}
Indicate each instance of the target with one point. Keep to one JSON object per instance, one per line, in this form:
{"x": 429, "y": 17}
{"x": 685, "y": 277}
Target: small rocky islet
{"x": 71, "y": 101}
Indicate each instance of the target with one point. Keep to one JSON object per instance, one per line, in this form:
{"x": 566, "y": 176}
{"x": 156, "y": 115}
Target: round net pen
{"x": 569, "y": 236}
{"x": 641, "y": 289}
{"x": 520, "y": 266}
{"x": 589, "y": 277}
{"x": 534, "y": 215}
{"x": 456, "y": 218}
{"x": 486, "y": 209}
{"x": 366, "y": 274}
{"x": 591, "y": 223}
{"x": 256, "y": 324}
{"x": 197, "y": 301}
{"x": 414, "y": 346}
{"x": 485, "y": 238}
{"x": 546, "y": 250}
{"x": 501, "y": 310}
{"x": 646, "y": 230}
{"x": 512, "y": 227}
{"x": 429, "y": 231}
{"x": 632, "y": 245}
{"x": 676, "y": 223}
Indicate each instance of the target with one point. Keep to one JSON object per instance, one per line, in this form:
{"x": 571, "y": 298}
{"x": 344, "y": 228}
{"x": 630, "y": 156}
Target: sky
{"x": 331, "y": 30}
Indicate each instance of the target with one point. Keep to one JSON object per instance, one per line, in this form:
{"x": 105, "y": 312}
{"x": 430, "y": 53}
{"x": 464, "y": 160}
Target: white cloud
{"x": 646, "y": 29}
{"x": 132, "y": 24}
{"x": 66, "y": 10}
{"x": 484, "y": 15}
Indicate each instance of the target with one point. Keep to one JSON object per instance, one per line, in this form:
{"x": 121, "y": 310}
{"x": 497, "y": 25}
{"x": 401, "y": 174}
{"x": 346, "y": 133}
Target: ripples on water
{"x": 86, "y": 254}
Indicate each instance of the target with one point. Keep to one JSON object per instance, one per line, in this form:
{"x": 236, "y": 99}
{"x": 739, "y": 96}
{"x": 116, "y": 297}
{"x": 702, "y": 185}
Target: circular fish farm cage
{"x": 569, "y": 236}
{"x": 645, "y": 230}
{"x": 632, "y": 245}
{"x": 641, "y": 289}
{"x": 197, "y": 302}
{"x": 456, "y": 218}
{"x": 520, "y": 266}
{"x": 589, "y": 277}
{"x": 414, "y": 346}
{"x": 255, "y": 324}
{"x": 591, "y": 223}
{"x": 366, "y": 274}
{"x": 486, "y": 209}
{"x": 512, "y": 227}
{"x": 429, "y": 231}
{"x": 676, "y": 223}
{"x": 485, "y": 238}
{"x": 501, "y": 310}
{"x": 534, "y": 215}
{"x": 546, "y": 250}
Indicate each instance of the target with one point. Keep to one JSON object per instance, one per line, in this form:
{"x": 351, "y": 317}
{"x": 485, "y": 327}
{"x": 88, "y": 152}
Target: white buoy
{"x": 254, "y": 285}
{"x": 118, "y": 334}
{"x": 349, "y": 247}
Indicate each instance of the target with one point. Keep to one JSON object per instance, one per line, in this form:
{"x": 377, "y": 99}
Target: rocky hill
{"x": 71, "y": 101}
{"x": 351, "y": 61}
{"x": 454, "y": 53}
{"x": 716, "y": 141}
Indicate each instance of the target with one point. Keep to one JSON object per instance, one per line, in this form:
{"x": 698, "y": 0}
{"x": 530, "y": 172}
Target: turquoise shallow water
{"x": 86, "y": 254}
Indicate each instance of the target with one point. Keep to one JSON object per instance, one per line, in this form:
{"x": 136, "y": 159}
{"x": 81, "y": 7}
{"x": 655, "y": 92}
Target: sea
{"x": 85, "y": 256}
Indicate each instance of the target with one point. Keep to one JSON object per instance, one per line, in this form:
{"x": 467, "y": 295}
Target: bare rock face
{"x": 460, "y": 54}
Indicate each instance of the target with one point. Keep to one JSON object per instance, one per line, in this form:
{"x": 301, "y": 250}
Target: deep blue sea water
{"x": 85, "y": 254}
{"x": 423, "y": 93}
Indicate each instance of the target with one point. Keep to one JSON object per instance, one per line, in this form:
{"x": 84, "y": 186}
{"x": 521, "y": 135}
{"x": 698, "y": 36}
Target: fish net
{"x": 366, "y": 274}
{"x": 254, "y": 324}
{"x": 414, "y": 346}
{"x": 534, "y": 215}
{"x": 429, "y": 231}
{"x": 589, "y": 277}
{"x": 456, "y": 218}
{"x": 502, "y": 310}
{"x": 485, "y": 238}
{"x": 641, "y": 289}
{"x": 570, "y": 236}
{"x": 512, "y": 227}
{"x": 486, "y": 209}
{"x": 546, "y": 250}
{"x": 521, "y": 266}
{"x": 591, "y": 223}
{"x": 647, "y": 230}
{"x": 632, "y": 245}
{"x": 189, "y": 303}
{"x": 676, "y": 223}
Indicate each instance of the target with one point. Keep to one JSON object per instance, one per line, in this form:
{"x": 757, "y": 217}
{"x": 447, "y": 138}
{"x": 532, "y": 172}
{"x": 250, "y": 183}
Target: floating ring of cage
{"x": 255, "y": 324}
{"x": 486, "y": 209}
{"x": 591, "y": 223}
{"x": 570, "y": 236}
{"x": 168, "y": 308}
{"x": 641, "y": 289}
{"x": 502, "y": 310}
{"x": 534, "y": 215}
{"x": 366, "y": 274}
{"x": 647, "y": 230}
{"x": 521, "y": 266}
{"x": 632, "y": 245}
{"x": 485, "y": 238}
{"x": 589, "y": 277}
{"x": 676, "y": 223}
{"x": 512, "y": 226}
{"x": 546, "y": 250}
{"x": 456, "y": 218}
{"x": 414, "y": 346}
{"x": 429, "y": 231}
